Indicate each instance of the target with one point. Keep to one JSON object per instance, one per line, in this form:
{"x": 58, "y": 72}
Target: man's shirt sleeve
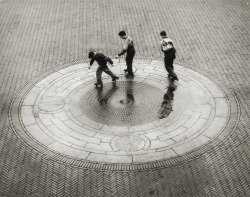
{"x": 125, "y": 46}
{"x": 126, "y": 43}
{"x": 92, "y": 61}
{"x": 160, "y": 44}
{"x": 109, "y": 60}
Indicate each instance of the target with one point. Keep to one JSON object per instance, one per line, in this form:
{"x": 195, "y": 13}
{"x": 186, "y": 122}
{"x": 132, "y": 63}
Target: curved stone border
{"x": 232, "y": 122}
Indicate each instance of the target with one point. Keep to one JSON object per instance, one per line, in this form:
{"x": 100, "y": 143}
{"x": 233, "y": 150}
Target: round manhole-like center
{"x": 127, "y": 103}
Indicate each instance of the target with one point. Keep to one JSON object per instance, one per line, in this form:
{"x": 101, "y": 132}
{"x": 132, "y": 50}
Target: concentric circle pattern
{"x": 145, "y": 119}
{"x": 124, "y": 103}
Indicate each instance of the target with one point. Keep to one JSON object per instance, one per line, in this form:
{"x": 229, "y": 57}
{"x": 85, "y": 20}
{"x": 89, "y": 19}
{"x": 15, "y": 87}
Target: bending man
{"x": 102, "y": 61}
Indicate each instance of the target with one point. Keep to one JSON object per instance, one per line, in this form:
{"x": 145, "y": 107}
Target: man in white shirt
{"x": 169, "y": 51}
{"x": 128, "y": 48}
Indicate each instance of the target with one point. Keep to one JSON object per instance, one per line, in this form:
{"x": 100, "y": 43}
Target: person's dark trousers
{"x": 169, "y": 61}
{"x": 105, "y": 69}
{"x": 129, "y": 61}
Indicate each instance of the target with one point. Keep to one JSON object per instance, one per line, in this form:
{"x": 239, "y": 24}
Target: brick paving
{"x": 41, "y": 36}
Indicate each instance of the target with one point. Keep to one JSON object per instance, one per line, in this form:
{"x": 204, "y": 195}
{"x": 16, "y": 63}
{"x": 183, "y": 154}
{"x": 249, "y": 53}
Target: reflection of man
{"x": 128, "y": 48}
{"x": 130, "y": 101}
{"x": 130, "y": 90}
{"x": 104, "y": 98}
{"x": 168, "y": 98}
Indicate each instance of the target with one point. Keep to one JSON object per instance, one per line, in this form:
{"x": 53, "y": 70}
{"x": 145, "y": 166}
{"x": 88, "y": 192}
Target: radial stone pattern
{"x": 142, "y": 120}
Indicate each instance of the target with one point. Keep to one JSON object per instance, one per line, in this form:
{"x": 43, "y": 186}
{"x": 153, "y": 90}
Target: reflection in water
{"x": 130, "y": 98}
{"x": 129, "y": 103}
{"x": 102, "y": 99}
{"x": 125, "y": 103}
{"x": 107, "y": 98}
{"x": 129, "y": 91}
{"x": 168, "y": 99}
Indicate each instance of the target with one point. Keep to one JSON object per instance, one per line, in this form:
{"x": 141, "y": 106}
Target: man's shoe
{"x": 174, "y": 78}
{"x": 131, "y": 76}
{"x": 114, "y": 79}
{"x": 98, "y": 84}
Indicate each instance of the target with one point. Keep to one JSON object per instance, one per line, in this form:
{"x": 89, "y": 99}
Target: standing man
{"x": 168, "y": 49}
{"x": 102, "y": 62}
{"x": 129, "y": 48}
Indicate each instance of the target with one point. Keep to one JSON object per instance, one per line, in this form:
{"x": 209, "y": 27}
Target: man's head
{"x": 122, "y": 34}
{"x": 163, "y": 34}
{"x": 91, "y": 54}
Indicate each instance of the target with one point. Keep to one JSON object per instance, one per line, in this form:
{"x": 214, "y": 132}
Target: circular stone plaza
{"x": 144, "y": 136}
{"x": 123, "y": 123}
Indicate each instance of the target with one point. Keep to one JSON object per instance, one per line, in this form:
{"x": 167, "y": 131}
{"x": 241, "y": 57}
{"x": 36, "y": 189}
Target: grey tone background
{"x": 41, "y": 35}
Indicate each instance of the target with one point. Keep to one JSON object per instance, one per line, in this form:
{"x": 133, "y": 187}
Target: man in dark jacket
{"x": 168, "y": 49}
{"x": 102, "y": 61}
{"x": 128, "y": 48}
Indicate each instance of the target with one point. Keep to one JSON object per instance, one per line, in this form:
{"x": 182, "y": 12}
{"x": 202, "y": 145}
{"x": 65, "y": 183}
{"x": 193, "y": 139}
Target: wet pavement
{"x": 147, "y": 136}
{"x": 149, "y": 118}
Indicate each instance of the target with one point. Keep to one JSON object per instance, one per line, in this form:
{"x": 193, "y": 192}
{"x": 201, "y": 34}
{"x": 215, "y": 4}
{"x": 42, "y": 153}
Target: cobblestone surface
{"x": 211, "y": 37}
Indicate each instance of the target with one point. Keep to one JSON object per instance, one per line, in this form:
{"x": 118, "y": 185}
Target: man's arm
{"x": 109, "y": 60}
{"x": 125, "y": 47}
{"x": 91, "y": 62}
{"x": 161, "y": 41}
